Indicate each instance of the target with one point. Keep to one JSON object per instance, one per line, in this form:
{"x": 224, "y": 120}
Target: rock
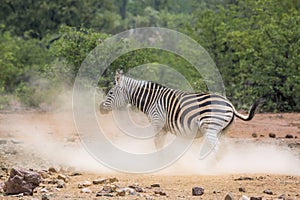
{"x": 130, "y": 191}
{"x": 121, "y": 192}
{"x": 242, "y": 189}
{"x": 60, "y": 184}
{"x": 109, "y": 188}
{"x": 148, "y": 197}
{"x": 44, "y": 190}
{"x": 75, "y": 174}
{"x": 155, "y": 185}
{"x": 22, "y": 181}
{"x": 244, "y": 178}
{"x": 5, "y": 169}
{"x": 52, "y": 170}
{"x": 45, "y": 197}
{"x": 2, "y": 187}
{"x": 104, "y": 194}
{"x": 84, "y": 184}
{"x": 14, "y": 141}
{"x": 3, "y": 141}
{"x": 281, "y": 196}
{"x": 112, "y": 180}
{"x": 85, "y": 190}
{"x": 268, "y": 191}
{"x": 244, "y": 198}
{"x": 289, "y": 136}
{"x": 44, "y": 174}
{"x": 63, "y": 177}
{"x": 254, "y": 135}
{"x": 136, "y": 187}
{"x": 272, "y": 135}
{"x": 105, "y": 180}
{"x": 161, "y": 193}
{"x": 228, "y": 197}
{"x": 100, "y": 181}
{"x": 197, "y": 191}
{"x": 255, "y": 198}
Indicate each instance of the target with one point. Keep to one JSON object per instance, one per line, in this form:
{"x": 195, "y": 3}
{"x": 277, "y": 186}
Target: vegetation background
{"x": 255, "y": 44}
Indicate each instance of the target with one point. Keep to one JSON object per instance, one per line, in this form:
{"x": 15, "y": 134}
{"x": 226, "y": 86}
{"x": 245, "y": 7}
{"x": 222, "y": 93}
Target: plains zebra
{"x": 175, "y": 111}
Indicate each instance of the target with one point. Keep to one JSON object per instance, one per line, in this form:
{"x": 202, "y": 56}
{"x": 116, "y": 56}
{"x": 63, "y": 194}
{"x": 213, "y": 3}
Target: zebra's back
{"x": 194, "y": 113}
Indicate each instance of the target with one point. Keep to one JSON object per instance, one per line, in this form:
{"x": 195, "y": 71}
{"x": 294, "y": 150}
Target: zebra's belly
{"x": 200, "y": 126}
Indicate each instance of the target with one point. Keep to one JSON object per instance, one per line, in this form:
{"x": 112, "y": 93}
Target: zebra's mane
{"x": 160, "y": 86}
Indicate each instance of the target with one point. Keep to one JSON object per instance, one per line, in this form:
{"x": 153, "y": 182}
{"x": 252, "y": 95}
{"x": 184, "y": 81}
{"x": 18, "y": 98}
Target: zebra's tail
{"x": 251, "y": 112}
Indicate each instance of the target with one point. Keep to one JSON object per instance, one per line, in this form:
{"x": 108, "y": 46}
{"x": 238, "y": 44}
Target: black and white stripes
{"x": 175, "y": 111}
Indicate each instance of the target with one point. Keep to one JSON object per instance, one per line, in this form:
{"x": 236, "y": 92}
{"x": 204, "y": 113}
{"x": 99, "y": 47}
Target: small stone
{"x": 85, "y": 190}
{"x": 155, "y": 185}
{"x": 148, "y": 197}
{"x": 121, "y": 192}
{"x": 281, "y": 196}
{"x": 228, "y": 197}
{"x": 112, "y": 180}
{"x": 63, "y": 177}
{"x": 197, "y": 191}
{"x": 129, "y": 191}
{"x": 84, "y": 184}
{"x": 14, "y": 141}
{"x": 109, "y": 188}
{"x": 272, "y": 135}
{"x": 137, "y": 188}
{"x": 2, "y": 187}
{"x": 244, "y": 198}
{"x": 75, "y": 174}
{"x": 255, "y": 198}
{"x": 100, "y": 181}
{"x": 245, "y": 178}
{"x": 44, "y": 190}
{"x": 254, "y": 135}
{"x": 242, "y": 189}
{"x": 45, "y": 197}
{"x": 60, "y": 184}
{"x": 268, "y": 191}
{"x": 161, "y": 193}
{"x": 52, "y": 170}
{"x": 104, "y": 194}
{"x": 44, "y": 174}
{"x": 3, "y": 141}
{"x": 289, "y": 136}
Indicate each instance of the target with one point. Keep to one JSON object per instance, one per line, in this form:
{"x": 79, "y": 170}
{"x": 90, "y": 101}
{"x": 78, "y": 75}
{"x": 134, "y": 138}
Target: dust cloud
{"x": 53, "y": 137}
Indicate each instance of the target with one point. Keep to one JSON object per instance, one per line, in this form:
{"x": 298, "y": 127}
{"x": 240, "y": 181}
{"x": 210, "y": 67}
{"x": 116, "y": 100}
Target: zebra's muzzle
{"x": 102, "y": 109}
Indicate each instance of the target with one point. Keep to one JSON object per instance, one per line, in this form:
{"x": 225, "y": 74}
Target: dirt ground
{"x": 256, "y": 162}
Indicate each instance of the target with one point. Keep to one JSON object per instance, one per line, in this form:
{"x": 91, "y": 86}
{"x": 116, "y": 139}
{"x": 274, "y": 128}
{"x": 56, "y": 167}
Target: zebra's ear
{"x": 118, "y": 75}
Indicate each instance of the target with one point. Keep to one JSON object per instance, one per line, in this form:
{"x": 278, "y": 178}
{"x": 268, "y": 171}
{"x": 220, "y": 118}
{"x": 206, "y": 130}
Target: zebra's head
{"x": 116, "y": 97}
{"x": 119, "y": 78}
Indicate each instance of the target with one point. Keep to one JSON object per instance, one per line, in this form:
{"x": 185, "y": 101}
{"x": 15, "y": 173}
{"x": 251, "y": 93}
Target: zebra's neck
{"x": 142, "y": 94}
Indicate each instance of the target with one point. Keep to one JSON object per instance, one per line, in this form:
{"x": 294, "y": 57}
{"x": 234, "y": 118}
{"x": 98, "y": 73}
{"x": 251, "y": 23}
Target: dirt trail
{"x": 40, "y": 140}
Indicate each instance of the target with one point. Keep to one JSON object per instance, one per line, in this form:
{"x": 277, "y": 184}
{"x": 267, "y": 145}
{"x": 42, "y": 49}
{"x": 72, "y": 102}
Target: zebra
{"x": 175, "y": 111}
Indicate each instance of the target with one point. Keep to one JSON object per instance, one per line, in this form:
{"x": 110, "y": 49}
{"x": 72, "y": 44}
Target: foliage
{"x": 254, "y": 43}
{"x": 256, "y": 47}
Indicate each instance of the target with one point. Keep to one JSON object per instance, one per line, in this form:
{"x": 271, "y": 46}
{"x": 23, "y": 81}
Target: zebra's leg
{"x": 210, "y": 142}
{"x": 159, "y": 139}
